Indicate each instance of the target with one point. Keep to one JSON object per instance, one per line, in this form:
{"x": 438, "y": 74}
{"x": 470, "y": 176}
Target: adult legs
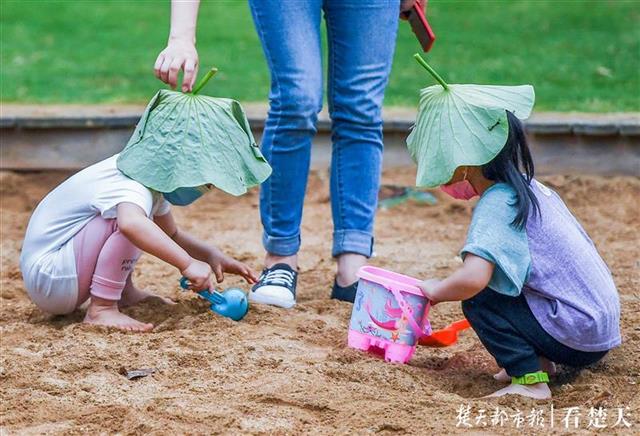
{"x": 289, "y": 31}
{"x": 361, "y": 39}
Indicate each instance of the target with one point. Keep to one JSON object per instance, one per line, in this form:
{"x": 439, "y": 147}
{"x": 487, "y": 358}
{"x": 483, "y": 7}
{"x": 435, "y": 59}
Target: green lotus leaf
{"x": 185, "y": 140}
{"x": 460, "y": 125}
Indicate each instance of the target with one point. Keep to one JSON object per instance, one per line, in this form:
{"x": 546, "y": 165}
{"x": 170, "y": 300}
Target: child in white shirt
{"x": 85, "y": 236}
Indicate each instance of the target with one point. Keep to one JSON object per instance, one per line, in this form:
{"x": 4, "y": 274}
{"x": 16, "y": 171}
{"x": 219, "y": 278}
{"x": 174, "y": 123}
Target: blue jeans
{"x": 361, "y": 36}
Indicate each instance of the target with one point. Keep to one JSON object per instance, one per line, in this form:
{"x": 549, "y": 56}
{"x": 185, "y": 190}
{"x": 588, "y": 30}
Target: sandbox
{"x": 281, "y": 371}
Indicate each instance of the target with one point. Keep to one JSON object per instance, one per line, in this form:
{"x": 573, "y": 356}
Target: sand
{"x": 290, "y": 372}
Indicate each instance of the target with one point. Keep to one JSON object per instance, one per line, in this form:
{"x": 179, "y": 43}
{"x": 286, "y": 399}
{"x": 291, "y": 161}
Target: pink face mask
{"x": 462, "y": 190}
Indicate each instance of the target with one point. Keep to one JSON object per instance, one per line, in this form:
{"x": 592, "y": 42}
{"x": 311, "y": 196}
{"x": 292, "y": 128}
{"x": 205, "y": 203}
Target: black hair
{"x": 508, "y": 167}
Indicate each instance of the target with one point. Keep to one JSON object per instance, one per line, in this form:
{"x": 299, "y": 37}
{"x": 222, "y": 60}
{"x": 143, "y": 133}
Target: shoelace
{"x": 279, "y": 277}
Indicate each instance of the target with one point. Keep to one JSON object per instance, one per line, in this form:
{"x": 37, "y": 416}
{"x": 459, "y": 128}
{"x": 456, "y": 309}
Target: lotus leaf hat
{"x": 186, "y": 139}
{"x": 460, "y": 125}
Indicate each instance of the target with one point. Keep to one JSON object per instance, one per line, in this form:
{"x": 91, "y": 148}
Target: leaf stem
{"x": 431, "y": 71}
{"x": 212, "y": 72}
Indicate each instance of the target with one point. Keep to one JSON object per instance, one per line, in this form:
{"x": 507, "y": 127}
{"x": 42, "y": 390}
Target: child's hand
{"x": 429, "y": 289}
{"x": 179, "y": 54}
{"x": 222, "y": 263}
{"x": 199, "y": 275}
{"x": 233, "y": 266}
{"x": 216, "y": 260}
{"x": 472, "y": 277}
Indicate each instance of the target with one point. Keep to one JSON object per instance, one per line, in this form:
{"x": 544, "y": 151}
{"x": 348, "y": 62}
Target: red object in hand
{"x": 445, "y": 337}
{"x": 420, "y": 26}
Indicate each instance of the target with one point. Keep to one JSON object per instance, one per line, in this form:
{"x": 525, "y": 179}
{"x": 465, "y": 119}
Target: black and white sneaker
{"x": 276, "y": 286}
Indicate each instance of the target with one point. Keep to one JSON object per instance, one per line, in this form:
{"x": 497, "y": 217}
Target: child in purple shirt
{"x": 532, "y": 285}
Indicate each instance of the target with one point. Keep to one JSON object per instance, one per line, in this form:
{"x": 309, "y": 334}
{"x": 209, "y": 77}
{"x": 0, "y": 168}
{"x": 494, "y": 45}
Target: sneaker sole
{"x": 271, "y": 301}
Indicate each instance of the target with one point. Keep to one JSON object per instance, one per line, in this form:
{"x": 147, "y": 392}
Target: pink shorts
{"x": 104, "y": 259}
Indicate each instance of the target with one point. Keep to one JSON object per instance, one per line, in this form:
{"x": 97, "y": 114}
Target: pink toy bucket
{"x": 389, "y": 315}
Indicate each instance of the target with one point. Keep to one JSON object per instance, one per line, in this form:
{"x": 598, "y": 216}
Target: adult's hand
{"x": 180, "y": 53}
{"x": 405, "y": 7}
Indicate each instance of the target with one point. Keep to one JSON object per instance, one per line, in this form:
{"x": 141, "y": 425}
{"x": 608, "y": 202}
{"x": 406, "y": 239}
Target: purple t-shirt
{"x": 552, "y": 262}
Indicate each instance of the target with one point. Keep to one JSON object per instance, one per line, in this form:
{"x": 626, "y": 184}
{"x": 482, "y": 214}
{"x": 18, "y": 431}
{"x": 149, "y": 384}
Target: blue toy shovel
{"x": 231, "y": 303}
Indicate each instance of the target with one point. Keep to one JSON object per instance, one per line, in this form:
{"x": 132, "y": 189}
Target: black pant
{"x": 512, "y": 335}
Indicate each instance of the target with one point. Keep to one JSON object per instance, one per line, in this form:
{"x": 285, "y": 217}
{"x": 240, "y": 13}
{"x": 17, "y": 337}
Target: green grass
{"x": 579, "y": 55}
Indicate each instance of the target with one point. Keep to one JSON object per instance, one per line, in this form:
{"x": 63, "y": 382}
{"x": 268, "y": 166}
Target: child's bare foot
{"x": 545, "y": 365}
{"x": 502, "y": 376}
{"x": 548, "y": 366}
{"x": 132, "y": 295}
{"x": 105, "y": 312}
{"x": 538, "y": 391}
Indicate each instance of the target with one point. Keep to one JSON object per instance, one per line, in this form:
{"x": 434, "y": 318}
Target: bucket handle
{"x": 426, "y": 325}
{"x": 403, "y": 306}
